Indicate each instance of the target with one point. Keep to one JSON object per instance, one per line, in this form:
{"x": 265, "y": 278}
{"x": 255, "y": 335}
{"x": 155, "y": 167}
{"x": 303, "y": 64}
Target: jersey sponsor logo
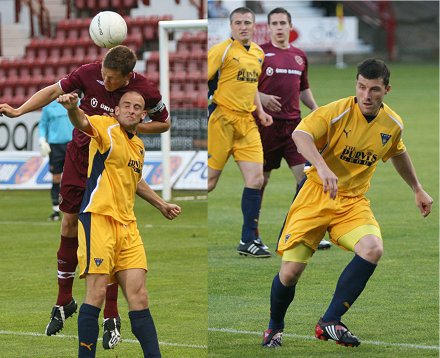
{"x": 98, "y": 261}
{"x": 351, "y": 155}
{"x": 269, "y": 71}
{"x": 288, "y": 71}
{"x": 299, "y": 60}
{"x": 385, "y": 138}
{"x": 100, "y": 82}
{"x": 247, "y": 76}
{"x": 106, "y": 108}
{"x": 135, "y": 165}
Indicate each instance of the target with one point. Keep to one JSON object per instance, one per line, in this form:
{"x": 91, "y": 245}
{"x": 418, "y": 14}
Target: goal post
{"x": 165, "y": 27}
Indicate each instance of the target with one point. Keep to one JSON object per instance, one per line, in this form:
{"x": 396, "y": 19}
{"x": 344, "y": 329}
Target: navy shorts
{"x": 56, "y": 157}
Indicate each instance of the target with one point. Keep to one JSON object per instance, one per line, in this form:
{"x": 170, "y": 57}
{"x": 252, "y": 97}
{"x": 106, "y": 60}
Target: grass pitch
{"x": 177, "y": 280}
{"x": 398, "y": 313}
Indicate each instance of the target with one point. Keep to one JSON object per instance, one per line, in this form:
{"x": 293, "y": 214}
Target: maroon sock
{"x": 67, "y": 262}
{"x": 111, "y": 301}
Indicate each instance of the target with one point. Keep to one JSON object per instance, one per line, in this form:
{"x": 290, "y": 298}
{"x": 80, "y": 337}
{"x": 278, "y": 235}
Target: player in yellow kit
{"x": 344, "y": 142}
{"x": 234, "y": 67}
{"x": 110, "y": 247}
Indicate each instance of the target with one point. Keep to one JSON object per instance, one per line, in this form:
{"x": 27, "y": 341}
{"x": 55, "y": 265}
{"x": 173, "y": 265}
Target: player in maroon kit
{"x": 102, "y": 85}
{"x": 282, "y": 84}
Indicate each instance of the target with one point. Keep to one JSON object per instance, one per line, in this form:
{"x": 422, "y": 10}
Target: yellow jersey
{"x": 116, "y": 159}
{"x": 350, "y": 144}
{"x": 233, "y": 73}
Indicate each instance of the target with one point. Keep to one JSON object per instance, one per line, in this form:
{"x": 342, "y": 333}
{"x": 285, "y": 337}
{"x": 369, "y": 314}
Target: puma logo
{"x": 346, "y": 133}
{"x": 236, "y": 59}
{"x": 88, "y": 346}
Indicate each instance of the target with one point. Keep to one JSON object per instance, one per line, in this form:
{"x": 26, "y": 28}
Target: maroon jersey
{"x": 97, "y": 100}
{"x": 284, "y": 74}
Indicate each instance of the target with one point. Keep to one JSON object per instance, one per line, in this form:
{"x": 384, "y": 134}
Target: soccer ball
{"x": 108, "y": 29}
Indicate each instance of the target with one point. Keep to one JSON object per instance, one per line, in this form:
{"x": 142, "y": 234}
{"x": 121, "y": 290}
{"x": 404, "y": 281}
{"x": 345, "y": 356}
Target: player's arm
{"x": 170, "y": 211}
{"x": 404, "y": 166}
{"x": 306, "y": 97}
{"x": 37, "y": 101}
{"x": 76, "y": 115}
{"x": 307, "y": 147}
{"x": 154, "y": 127}
{"x": 265, "y": 119}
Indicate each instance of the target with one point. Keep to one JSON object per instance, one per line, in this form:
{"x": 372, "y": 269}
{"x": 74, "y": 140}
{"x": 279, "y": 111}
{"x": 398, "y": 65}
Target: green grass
{"x": 177, "y": 280}
{"x": 398, "y": 313}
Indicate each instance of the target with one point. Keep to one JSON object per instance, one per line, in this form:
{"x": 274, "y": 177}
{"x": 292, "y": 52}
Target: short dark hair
{"x": 373, "y": 68}
{"x": 120, "y": 58}
{"x": 241, "y": 10}
{"x": 279, "y": 10}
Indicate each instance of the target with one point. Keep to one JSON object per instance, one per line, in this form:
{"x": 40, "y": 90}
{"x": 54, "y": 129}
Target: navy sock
{"x": 280, "y": 299}
{"x": 250, "y": 207}
{"x": 350, "y": 285}
{"x": 55, "y": 193}
{"x": 88, "y": 330}
{"x": 143, "y": 328}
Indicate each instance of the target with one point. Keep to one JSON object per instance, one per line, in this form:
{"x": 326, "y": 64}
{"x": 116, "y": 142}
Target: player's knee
{"x": 370, "y": 248}
{"x": 69, "y": 225}
{"x": 138, "y": 300}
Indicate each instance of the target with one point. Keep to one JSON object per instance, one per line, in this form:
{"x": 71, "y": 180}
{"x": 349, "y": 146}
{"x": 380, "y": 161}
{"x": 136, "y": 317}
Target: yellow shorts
{"x": 106, "y": 246}
{"x": 347, "y": 220}
{"x": 233, "y": 133}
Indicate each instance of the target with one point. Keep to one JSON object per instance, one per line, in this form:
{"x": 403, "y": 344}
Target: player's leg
{"x": 362, "y": 236}
{"x": 282, "y": 292}
{"x": 56, "y": 163}
{"x": 252, "y": 173}
{"x": 132, "y": 282}
{"x": 213, "y": 177}
{"x": 88, "y": 327}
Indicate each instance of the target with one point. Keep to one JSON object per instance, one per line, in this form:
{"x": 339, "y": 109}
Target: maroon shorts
{"x": 278, "y": 144}
{"x": 73, "y": 180}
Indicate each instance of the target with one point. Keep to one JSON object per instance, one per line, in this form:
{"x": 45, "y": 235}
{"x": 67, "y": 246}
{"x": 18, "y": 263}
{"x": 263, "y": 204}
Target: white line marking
{"x": 376, "y": 343}
{"x": 33, "y": 334}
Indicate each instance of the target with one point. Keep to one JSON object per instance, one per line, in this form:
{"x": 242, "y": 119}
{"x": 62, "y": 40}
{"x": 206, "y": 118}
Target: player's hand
{"x": 171, "y": 211}
{"x": 265, "y": 119}
{"x": 271, "y": 102}
{"x": 329, "y": 181}
{"x": 423, "y": 202}
{"x": 68, "y": 100}
{"x": 44, "y": 147}
{"x": 8, "y": 111}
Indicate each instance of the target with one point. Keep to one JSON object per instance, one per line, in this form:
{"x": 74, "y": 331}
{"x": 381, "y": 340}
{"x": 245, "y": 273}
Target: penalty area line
{"x": 376, "y": 343}
{"x": 64, "y": 336}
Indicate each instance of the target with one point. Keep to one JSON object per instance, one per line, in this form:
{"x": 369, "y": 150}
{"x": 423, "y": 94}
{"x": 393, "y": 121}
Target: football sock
{"x": 280, "y": 298}
{"x": 88, "y": 330}
{"x": 257, "y": 232}
{"x": 54, "y": 193}
{"x": 350, "y": 285}
{"x": 111, "y": 301}
{"x": 250, "y": 207}
{"x": 67, "y": 262}
{"x": 143, "y": 328}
